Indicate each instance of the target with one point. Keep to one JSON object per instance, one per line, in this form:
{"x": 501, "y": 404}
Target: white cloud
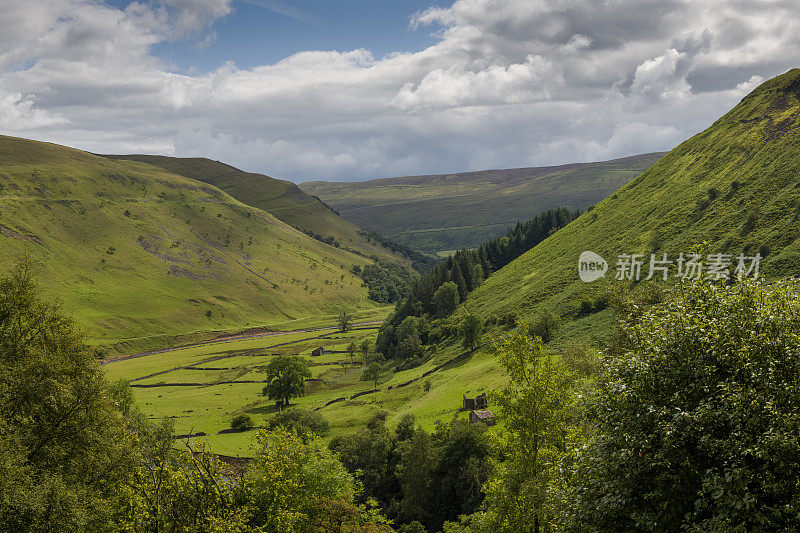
{"x": 17, "y": 111}
{"x": 660, "y": 77}
{"x": 508, "y": 83}
{"x": 192, "y": 16}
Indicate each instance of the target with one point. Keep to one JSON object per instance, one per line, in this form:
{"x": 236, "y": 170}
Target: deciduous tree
{"x": 471, "y": 331}
{"x": 286, "y": 375}
{"x": 696, "y": 421}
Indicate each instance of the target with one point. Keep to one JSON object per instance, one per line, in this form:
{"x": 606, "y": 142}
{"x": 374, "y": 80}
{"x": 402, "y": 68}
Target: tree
{"x": 405, "y": 427}
{"x": 64, "y": 448}
{"x": 457, "y": 278}
{"x": 385, "y": 342}
{"x": 289, "y": 479}
{"x": 471, "y": 331}
{"x": 412, "y": 527}
{"x": 366, "y": 348}
{"x": 464, "y": 464}
{"x": 410, "y": 347}
{"x": 545, "y": 327}
{"x": 286, "y": 375}
{"x": 415, "y": 472}
{"x": 408, "y": 327}
{"x": 536, "y": 407}
{"x": 370, "y": 452}
{"x": 696, "y": 423}
{"x": 351, "y": 351}
{"x": 180, "y": 490}
{"x": 373, "y": 370}
{"x": 446, "y": 298}
{"x": 345, "y": 321}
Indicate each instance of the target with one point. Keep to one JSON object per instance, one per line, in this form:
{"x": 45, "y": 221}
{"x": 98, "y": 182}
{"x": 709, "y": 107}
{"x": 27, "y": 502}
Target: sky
{"x": 349, "y": 90}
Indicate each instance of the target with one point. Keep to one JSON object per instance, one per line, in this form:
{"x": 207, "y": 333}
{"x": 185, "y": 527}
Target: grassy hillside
{"x": 133, "y": 250}
{"x": 735, "y": 186}
{"x": 279, "y": 197}
{"x": 451, "y": 211}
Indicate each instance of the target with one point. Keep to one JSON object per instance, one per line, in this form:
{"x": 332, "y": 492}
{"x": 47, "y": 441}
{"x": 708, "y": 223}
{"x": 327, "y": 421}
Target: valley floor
{"x": 203, "y": 386}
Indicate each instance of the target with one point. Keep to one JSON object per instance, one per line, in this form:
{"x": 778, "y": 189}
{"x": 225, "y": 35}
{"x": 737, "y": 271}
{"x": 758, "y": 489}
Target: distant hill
{"x": 450, "y": 211}
{"x": 133, "y": 250}
{"x": 735, "y": 186}
{"x": 278, "y": 197}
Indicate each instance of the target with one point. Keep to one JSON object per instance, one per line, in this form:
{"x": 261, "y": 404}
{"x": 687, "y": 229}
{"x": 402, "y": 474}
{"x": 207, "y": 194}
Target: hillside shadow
{"x": 264, "y": 410}
{"x": 458, "y": 361}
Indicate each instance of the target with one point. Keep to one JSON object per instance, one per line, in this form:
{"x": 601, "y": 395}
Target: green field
{"x": 209, "y": 405}
{"x": 140, "y": 256}
{"x": 452, "y": 211}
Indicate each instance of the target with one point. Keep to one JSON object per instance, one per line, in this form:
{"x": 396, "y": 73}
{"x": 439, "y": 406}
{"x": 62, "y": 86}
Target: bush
{"x": 509, "y": 319}
{"x": 601, "y": 302}
{"x": 581, "y": 360}
{"x": 241, "y": 422}
{"x": 649, "y": 293}
{"x": 303, "y": 422}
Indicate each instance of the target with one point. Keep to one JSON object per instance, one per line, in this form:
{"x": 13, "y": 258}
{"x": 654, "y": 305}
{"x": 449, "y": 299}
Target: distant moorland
{"x": 450, "y": 211}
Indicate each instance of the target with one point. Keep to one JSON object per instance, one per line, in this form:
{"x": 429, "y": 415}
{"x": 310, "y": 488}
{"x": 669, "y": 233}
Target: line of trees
{"x": 438, "y": 292}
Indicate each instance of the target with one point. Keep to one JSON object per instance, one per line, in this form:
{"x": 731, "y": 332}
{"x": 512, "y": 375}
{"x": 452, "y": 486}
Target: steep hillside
{"x": 735, "y": 186}
{"x": 450, "y": 211}
{"x": 279, "y": 197}
{"x": 133, "y": 250}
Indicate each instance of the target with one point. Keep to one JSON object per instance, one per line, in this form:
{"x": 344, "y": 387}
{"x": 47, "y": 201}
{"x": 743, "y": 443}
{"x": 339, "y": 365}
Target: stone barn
{"x": 478, "y": 402}
{"x": 483, "y": 416}
{"x": 317, "y": 352}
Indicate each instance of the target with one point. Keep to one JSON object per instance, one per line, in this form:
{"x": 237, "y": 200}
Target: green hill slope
{"x": 133, "y": 250}
{"x": 279, "y": 197}
{"x": 446, "y": 212}
{"x": 735, "y": 186}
